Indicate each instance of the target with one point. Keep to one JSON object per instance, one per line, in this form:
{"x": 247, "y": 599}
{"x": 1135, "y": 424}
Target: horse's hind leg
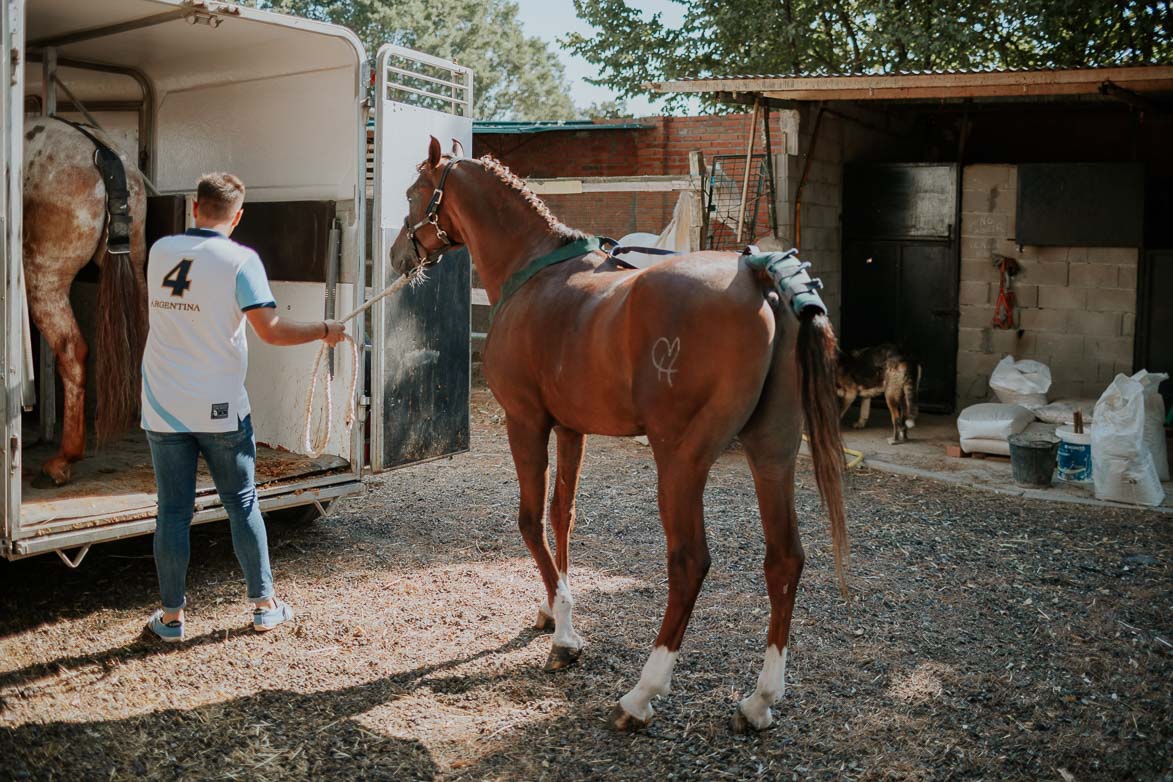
{"x": 771, "y": 443}
{"x": 51, "y": 312}
{"x": 681, "y": 486}
{"x": 567, "y": 643}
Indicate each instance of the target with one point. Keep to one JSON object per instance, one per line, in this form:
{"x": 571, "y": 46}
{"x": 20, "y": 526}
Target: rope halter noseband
{"x": 431, "y": 217}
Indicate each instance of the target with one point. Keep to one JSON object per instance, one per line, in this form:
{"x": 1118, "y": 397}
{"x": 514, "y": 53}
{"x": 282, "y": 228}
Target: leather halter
{"x": 431, "y": 217}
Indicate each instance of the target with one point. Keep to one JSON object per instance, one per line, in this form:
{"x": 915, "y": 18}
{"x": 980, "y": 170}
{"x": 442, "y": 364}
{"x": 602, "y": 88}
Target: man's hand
{"x": 335, "y": 331}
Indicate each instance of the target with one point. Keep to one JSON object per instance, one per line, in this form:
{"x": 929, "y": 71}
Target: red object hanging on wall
{"x": 1004, "y": 306}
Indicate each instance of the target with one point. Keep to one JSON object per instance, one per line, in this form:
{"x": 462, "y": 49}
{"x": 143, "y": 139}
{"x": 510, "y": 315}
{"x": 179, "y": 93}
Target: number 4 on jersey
{"x": 176, "y": 279}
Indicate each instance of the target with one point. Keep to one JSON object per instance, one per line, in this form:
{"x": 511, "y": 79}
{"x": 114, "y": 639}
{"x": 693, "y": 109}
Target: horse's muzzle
{"x": 403, "y": 255}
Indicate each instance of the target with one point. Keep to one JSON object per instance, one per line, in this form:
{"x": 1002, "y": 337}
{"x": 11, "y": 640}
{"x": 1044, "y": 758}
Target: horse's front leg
{"x": 528, "y": 444}
{"x": 567, "y": 643}
{"x": 681, "y": 487}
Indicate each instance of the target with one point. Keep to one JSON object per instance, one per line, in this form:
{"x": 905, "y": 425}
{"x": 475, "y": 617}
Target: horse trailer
{"x": 191, "y": 86}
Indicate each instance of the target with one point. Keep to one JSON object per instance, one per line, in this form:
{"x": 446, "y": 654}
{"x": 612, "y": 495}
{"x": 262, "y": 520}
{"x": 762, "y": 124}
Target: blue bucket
{"x": 1075, "y": 455}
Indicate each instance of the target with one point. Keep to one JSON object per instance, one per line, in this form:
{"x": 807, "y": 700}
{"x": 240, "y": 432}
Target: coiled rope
{"x": 315, "y": 442}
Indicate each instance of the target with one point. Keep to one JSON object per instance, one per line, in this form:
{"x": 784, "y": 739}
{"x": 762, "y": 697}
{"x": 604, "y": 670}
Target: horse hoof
{"x": 739, "y": 724}
{"x": 624, "y": 722}
{"x": 544, "y": 623}
{"x": 561, "y": 657}
{"x": 52, "y": 476}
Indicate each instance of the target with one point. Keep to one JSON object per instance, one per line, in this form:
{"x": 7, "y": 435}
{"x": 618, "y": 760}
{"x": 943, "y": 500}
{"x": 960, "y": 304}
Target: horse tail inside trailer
{"x": 122, "y": 334}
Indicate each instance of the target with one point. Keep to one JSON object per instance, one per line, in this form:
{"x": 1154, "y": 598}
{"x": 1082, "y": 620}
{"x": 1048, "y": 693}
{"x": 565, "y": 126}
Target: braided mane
{"x": 517, "y": 183}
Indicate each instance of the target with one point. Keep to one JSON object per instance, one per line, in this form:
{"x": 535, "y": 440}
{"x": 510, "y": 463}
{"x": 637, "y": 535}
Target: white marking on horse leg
{"x": 655, "y": 680}
{"x": 564, "y": 634}
{"x": 771, "y": 686}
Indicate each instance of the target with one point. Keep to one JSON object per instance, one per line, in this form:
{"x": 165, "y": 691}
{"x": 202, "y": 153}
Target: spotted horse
{"x": 69, "y": 221}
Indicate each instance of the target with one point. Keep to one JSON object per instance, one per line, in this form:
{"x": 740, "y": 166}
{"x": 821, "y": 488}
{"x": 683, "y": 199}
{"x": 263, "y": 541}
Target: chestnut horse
{"x": 690, "y": 352}
{"x": 64, "y": 228}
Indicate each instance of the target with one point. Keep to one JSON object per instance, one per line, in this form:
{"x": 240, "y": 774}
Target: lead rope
{"x": 314, "y": 443}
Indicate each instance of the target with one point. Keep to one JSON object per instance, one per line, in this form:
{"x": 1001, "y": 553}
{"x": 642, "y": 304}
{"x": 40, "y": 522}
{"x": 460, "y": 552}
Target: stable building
{"x": 907, "y": 192}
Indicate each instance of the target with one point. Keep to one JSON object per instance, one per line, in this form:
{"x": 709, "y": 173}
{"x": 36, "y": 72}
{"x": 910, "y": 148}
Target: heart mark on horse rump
{"x": 664, "y": 355}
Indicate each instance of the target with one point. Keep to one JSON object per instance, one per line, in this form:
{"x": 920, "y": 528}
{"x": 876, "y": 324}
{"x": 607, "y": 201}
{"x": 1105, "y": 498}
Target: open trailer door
{"x": 421, "y": 363}
{"x": 12, "y": 331}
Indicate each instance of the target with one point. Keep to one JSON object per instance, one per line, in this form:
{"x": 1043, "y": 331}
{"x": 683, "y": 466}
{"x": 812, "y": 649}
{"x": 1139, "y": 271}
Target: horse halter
{"x": 431, "y": 217}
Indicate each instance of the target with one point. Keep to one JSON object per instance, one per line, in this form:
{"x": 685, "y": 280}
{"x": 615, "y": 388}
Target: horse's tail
{"x": 122, "y": 333}
{"x": 817, "y": 360}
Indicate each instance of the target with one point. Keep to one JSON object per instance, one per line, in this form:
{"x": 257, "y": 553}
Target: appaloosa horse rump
{"x": 692, "y": 352}
{"x": 64, "y": 228}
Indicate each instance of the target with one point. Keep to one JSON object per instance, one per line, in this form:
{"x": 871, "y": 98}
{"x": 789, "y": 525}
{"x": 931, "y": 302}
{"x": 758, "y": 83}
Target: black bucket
{"x": 1032, "y": 459}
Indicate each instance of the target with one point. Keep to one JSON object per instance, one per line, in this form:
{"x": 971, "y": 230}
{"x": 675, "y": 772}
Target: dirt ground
{"x": 987, "y": 637}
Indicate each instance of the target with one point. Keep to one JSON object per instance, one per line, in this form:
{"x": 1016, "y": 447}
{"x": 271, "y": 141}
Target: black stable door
{"x": 900, "y": 268}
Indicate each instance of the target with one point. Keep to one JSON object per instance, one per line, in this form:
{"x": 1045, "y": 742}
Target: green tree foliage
{"x": 609, "y": 109}
{"x": 516, "y": 77}
{"x": 723, "y": 38}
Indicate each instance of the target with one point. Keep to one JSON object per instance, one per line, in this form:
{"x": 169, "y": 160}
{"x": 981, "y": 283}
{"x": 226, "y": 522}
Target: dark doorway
{"x": 1153, "y": 346}
{"x": 900, "y": 268}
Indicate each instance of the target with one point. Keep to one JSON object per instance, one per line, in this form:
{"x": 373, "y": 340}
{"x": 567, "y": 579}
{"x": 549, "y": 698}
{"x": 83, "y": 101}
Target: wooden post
{"x": 771, "y": 207}
{"x": 696, "y": 173}
{"x": 753, "y": 132}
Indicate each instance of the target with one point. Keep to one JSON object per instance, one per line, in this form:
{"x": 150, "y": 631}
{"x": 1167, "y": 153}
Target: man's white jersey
{"x": 199, "y": 285}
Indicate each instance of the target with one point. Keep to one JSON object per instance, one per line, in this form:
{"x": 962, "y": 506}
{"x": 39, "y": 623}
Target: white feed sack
{"x": 1154, "y": 419}
{"x": 1023, "y": 382}
{"x": 1122, "y": 464}
{"x": 1062, "y": 411}
{"x": 986, "y": 427}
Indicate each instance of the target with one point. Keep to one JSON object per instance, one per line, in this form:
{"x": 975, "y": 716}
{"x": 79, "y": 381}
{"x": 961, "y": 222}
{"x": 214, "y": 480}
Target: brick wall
{"x": 1076, "y": 305}
{"x": 660, "y": 148}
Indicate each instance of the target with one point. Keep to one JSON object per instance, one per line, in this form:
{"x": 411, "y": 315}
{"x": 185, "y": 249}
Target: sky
{"x": 551, "y": 19}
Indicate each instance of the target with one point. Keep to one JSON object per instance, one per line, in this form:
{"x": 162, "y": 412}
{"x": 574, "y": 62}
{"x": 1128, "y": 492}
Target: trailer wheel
{"x": 300, "y": 515}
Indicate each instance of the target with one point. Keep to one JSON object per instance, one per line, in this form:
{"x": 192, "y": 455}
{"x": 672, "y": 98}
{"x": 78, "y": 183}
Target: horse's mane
{"x": 515, "y": 182}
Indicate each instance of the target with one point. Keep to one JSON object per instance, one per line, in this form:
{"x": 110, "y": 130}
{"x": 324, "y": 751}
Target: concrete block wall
{"x": 1076, "y": 305}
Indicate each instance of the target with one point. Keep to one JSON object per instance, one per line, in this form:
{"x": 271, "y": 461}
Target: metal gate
{"x": 421, "y": 374}
{"x": 736, "y": 201}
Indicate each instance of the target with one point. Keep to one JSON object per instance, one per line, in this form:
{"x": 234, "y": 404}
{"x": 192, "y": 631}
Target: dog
{"x": 883, "y": 369}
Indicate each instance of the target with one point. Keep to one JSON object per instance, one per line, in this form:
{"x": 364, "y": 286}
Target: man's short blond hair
{"x": 219, "y": 195}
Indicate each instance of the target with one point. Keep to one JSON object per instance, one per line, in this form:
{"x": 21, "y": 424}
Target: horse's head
{"x": 429, "y": 229}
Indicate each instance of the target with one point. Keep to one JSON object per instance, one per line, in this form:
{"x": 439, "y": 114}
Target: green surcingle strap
{"x": 797, "y": 288}
{"x": 576, "y": 249}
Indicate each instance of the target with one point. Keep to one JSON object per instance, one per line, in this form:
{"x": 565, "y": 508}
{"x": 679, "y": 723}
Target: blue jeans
{"x": 231, "y": 458}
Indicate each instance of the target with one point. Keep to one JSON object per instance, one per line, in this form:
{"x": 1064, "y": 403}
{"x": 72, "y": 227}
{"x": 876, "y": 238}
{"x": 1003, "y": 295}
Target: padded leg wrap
{"x": 789, "y": 275}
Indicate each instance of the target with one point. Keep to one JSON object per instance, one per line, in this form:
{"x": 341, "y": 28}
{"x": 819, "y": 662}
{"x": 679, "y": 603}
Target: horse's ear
{"x": 457, "y": 149}
{"x": 434, "y": 153}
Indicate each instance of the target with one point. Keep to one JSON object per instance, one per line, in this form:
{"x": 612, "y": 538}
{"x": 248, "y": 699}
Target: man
{"x": 202, "y": 286}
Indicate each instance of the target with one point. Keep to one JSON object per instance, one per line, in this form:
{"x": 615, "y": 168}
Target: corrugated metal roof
{"x": 933, "y": 85}
{"x": 929, "y": 72}
{"x": 573, "y": 125}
